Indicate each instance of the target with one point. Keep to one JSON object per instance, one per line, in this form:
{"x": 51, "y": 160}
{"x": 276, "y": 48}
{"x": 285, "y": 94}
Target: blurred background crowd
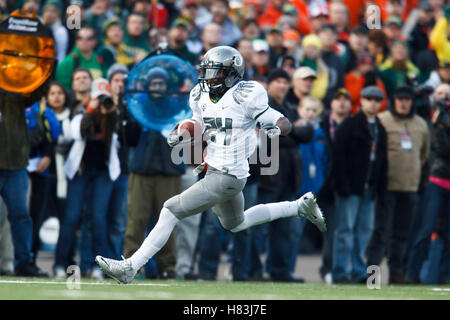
{"x": 366, "y": 84}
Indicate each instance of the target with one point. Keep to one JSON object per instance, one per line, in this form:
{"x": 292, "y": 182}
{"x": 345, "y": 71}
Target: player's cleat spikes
{"x": 307, "y": 208}
{"x": 120, "y": 270}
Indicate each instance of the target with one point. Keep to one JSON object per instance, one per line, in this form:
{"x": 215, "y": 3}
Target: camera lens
{"x": 106, "y": 102}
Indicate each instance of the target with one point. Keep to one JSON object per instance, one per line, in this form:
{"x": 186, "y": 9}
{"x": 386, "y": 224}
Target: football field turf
{"x": 51, "y": 289}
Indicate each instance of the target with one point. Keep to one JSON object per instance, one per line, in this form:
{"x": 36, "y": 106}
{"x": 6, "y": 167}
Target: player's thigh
{"x": 231, "y": 211}
{"x": 204, "y": 194}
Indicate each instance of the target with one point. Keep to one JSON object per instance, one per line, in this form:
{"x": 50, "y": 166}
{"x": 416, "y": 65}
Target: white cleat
{"x": 307, "y": 208}
{"x": 119, "y": 270}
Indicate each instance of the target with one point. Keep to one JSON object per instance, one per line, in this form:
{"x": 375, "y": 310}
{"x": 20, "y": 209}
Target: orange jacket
{"x": 354, "y": 84}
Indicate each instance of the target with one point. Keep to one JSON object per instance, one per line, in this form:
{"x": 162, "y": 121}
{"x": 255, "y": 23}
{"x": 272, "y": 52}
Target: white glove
{"x": 272, "y": 131}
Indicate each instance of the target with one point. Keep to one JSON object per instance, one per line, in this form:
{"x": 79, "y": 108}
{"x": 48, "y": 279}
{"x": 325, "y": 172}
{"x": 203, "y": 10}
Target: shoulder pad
{"x": 243, "y": 90}
{"x": 196, "y": 93}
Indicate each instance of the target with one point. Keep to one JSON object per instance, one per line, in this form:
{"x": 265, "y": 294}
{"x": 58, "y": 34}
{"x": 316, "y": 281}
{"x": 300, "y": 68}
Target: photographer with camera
{"x": 437, "y": 197}
{"x": 92, "y": 166}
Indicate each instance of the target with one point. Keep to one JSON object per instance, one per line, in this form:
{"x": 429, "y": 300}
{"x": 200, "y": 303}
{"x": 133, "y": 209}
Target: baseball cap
{"x": 291, "y": 35}
{"x": 110, "y": 22}
{"x": 260, "y": 45}
{"x": 275, "y": 29}
{"x": 180, "y": 22}
{"x": 278, "y": 73}
{"x": 341, "y": 92}
{"x": 404, "y": 92}
{"x": 116, "y": 68}
{"x": 372, "y": 92}
{"x": 289, "y": 9}
{"x": 317, "y": 11}
{"x": 100, "y": 87}
{"x": 394, "y": 20}
{"x": 303, "y": 73}
{"x": 425, "y": 6}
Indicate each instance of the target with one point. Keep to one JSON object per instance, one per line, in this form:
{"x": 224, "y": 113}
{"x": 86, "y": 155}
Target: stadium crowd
{"x": 365, "y": 83}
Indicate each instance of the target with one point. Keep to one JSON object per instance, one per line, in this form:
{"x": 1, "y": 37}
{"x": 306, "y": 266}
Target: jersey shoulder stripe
{"x": 243, "y": 91}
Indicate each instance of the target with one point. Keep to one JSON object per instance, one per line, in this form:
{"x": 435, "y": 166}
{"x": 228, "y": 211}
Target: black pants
{"x": 394, "y": 213}
{"x": 328, "y": 209}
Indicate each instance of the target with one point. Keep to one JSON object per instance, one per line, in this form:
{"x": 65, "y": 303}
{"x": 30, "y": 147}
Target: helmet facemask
{"x": 215, "y": 79}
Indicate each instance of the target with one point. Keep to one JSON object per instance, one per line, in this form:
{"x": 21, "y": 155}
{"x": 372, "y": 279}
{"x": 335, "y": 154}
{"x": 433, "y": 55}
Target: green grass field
{"x": 50, "y": 289}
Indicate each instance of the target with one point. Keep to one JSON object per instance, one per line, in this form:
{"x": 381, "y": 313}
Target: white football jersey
{"x": 229, "y": 124}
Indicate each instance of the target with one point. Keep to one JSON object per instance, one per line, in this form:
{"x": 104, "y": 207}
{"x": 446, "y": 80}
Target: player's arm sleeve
{"x": 257, "y": 106}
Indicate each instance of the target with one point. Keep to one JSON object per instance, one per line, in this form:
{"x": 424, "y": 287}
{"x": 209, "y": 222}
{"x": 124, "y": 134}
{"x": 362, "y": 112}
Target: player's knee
{"x": 173, "y": 204}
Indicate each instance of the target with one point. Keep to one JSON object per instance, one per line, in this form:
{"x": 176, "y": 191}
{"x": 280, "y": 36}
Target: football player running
{"x": 228, "y": 110}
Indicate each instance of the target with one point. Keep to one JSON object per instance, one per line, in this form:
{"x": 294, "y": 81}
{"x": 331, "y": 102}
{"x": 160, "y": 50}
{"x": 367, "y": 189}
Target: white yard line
{"x": 82, "y": 283}
{"x": 441, "y": 289}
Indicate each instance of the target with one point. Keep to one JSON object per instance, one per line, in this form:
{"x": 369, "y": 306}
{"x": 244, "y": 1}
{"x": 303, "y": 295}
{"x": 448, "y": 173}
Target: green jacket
{"x": 76, "y": 60}
{"x": 393, "y": 78}
{"x": 14, "y": 141}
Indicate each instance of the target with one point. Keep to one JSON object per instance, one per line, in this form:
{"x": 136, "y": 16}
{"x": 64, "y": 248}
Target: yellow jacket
{"x": 438, "y": 38}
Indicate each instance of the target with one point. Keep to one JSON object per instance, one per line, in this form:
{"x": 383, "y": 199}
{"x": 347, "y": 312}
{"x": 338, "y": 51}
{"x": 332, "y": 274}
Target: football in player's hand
{"x": 190, "y": 128}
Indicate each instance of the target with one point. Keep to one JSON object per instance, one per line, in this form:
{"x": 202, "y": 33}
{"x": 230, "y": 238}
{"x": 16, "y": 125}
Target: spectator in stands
{"x": 289, "y": 64}
{"x": 51, "y": 17}
{"x": 439, "y": 76}
{"x": 211, "y": 36}
{"x": 274, "y": 38}
{"x": 156, "y": 36}
{"x": 318, "y": 16}
{"x": 14, "y": 153}
{"x": 261, "y": 58}
{"x": 113, "y": 49}
{"x": 408, "y": 148}
{"x": 393, "y": 30}
{"x": 360, "y": 170}
{"x": 312, "y": 47}
{"x": 292, "y": 44}
{"x": 377, "y": 45}
{"x": 315, "y": 156}
{"x": 136, "y": 36}
{"x": 358, "y": 42}
{"x": 82, "y": 56}
{"x": 230, "y": 32}
{"x": 439, "y": 36}
{"x": 363, "y": 76}
{"x": 418, "y": 39}
{"x": 285, "y": 184}
{"x": 250, "y": 29}
{"x": 245, "y": 47}
{"x": 128, "y": 136}
{"x": 44, "y": 131}
{"x": 398, "y": 69}
{"x": 91, "y": 166}
{"x": 302, "y": 85}
{"x": 330, "y": 120}
{"x": 271, "y": 14}
{"x": 328, "y": 36}
{"x": 177, "y": 36}
{"x": 339, "y": 17}
{"x": 97, "y": 14}
{"x": 437, "y": 199}
{"x": 81, "y": 89}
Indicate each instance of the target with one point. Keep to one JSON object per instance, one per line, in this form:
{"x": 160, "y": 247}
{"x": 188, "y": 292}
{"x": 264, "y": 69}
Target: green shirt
{"x": 75, "y": 60}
